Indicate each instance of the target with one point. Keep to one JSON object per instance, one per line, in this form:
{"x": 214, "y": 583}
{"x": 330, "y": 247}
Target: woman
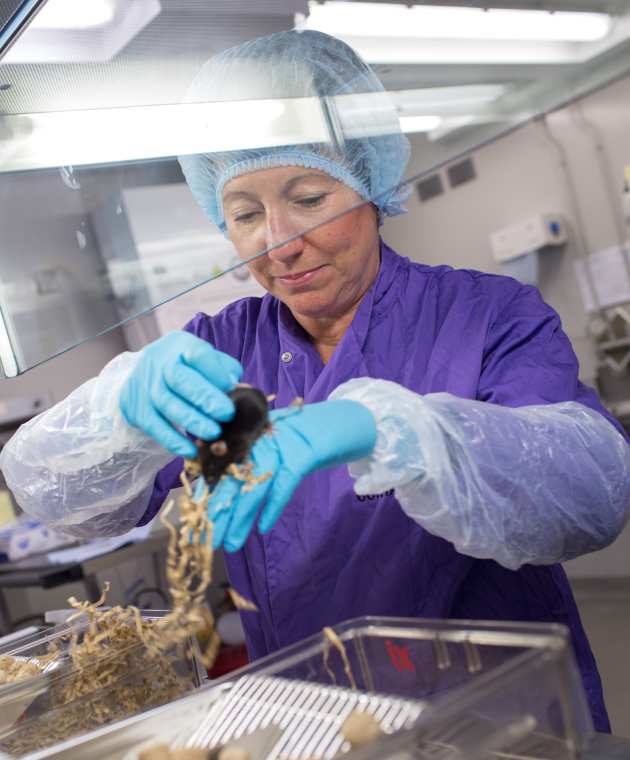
{"x": 480, "y": 460}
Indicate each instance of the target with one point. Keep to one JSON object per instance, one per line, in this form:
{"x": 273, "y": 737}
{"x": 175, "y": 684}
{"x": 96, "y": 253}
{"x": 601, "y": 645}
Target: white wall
{"x": 518, "y": 176}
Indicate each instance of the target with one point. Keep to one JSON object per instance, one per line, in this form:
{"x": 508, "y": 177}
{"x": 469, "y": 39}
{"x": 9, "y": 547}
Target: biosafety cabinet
{"x": 98, "y": 225}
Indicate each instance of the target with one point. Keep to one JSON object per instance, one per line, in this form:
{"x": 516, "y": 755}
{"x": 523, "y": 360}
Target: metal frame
{"x": 8, "y": 358}
{"x": 17, "y": 23}
{"x": 613, "y": 7}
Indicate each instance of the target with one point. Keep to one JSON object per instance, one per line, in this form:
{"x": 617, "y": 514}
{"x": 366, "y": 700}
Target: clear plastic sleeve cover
{"x": 79, "y": 466}
{"x": 535, "y": 484}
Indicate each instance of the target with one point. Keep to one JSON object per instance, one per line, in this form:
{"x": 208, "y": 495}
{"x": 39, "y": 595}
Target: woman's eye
{"x": 310, "y": 201}
{"x": 246, "y": 217}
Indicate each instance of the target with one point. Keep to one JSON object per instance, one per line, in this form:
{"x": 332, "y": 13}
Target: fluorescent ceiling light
{"x": 69, "y": 31}
{"x": 112, "y": 135}
{"x": 456, "y": 99}
{"x": 456, "y": 122}
{"x": 419, "y": 123}
{"x": 137, "y": 133}
{"x": 358, "y": 19}
{"x": 74, "y": 14}
{"x": 413, "y": 51}
{"x": 452, "y": 107}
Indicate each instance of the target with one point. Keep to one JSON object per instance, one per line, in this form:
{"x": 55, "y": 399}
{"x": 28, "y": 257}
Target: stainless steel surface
{"x": 15, "y": 20}
{"x": 600, "y": 6}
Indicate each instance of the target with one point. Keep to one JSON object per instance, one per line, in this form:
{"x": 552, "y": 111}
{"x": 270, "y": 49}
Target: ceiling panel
{"x": 603, "y": 6}
{"x": 158, "y": 64}
{"x": 156, "y": 67}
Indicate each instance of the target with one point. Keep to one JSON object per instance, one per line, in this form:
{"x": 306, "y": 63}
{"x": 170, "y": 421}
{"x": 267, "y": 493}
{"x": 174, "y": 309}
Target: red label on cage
{"x": 399, "y": 655}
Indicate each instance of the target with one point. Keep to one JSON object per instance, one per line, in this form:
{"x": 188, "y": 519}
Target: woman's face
{"x": 321, "y": 273}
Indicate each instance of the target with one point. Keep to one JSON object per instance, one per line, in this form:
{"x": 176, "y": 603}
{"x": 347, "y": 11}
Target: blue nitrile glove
{"x": 178, "y": 386}
{"x": 302, "y": 441}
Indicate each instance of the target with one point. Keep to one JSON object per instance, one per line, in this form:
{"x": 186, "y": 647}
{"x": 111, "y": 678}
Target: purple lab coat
{"x": 334, "y": 555}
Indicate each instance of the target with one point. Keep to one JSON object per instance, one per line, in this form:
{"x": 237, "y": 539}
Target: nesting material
{"x": 119, "y": 663}
{"x": 240, "y": 602}
{"x": 13, "y": 670}
{"x": 360, "y": 728}
{"x": 234, "y": 752}
{"x": 331, "y": 639}
{"x": 157, "y": 752}
{"x": 189, "y": 754}
{"x": 164, "y": 752}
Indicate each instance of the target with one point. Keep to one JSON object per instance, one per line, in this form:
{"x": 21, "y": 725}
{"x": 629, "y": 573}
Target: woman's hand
{"x": 301, "y": 441}
{"x": 179, "y": 386}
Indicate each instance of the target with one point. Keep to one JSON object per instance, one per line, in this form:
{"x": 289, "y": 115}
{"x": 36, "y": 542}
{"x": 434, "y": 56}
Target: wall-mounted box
{"x": 527, "y": 236}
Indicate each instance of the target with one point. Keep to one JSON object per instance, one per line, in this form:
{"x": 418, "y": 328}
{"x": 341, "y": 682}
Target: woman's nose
{"x": 283, "y": 239}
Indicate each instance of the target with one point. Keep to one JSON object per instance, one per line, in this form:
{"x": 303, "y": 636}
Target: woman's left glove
{"x": 301, "y": 441}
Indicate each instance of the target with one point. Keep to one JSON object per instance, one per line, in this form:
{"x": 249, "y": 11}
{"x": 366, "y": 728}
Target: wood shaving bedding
{"x": 119, "y": 663}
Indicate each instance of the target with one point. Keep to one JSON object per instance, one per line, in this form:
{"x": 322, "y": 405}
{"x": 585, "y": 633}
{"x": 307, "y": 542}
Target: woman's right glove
{"x": 179, "y": 386}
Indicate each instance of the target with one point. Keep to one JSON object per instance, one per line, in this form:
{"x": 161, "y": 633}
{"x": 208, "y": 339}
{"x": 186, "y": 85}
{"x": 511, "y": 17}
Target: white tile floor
{"x": 605, "y": 608}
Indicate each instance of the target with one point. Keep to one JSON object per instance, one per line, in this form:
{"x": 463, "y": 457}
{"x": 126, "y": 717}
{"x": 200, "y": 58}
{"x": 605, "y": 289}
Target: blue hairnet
{"x": 297, "y": 64}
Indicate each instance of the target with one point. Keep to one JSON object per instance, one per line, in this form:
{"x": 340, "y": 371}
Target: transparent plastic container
{"x": 486, "y": 687}
{"x": 58, "y": 703}
{"x": 466, "y": 690}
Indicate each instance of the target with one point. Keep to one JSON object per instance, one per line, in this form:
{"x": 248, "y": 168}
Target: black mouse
{"x": 250, "y": 421}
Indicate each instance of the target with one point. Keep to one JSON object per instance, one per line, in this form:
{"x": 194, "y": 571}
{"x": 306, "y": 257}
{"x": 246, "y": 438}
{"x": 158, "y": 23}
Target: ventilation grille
{"x": 430, "y": 187}
{"x": 461, "y": 172}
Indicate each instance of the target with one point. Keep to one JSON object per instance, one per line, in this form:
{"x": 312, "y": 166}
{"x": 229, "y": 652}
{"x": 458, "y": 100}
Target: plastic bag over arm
{"x": 79, "y": 466}
{"x": 535, "y": 484}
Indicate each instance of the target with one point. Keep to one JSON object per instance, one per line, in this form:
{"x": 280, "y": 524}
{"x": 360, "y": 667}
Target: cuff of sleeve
{"x": 397, "y": 456}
